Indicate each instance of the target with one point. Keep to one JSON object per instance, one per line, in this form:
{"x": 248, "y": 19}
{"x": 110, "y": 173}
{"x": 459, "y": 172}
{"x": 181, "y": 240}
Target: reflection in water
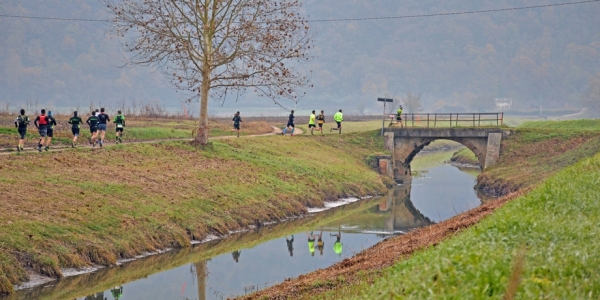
{"x": 215, "y": 275}
{"x": 290, "y": 244}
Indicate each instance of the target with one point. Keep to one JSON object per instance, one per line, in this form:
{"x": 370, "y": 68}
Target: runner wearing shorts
{"x": 50, "y": 131}
{"x": 41, "y": 123}
{"x": 311, "y": 123}
{"x": 21, "y": 123}
{"x": 338, "y": 117}
{"x": 75, "y": 122}
{"x": 290, "y": 123}
{"x": 321, "y": 121}
{"x": 120, "y": 121}
{"x": 102, "y": 120}
{"x": 93, "y": 123}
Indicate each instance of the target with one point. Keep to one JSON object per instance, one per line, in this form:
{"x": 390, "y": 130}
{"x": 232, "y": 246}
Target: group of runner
{"x": 45, "y": 125}
{"x": 337, "y": 246}
{"x": 315, "y": 120}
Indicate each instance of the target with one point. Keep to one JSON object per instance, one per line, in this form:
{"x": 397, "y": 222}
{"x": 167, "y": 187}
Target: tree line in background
{"x": 548, "y": 57}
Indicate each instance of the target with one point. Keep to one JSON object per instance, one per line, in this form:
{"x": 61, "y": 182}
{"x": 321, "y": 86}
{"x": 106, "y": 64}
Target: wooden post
{"x": 435, "y": 119}
{"x": 473, "y": 120}
{"x": 479, "y": 120}
{"x": 427, "y": 120}
{"x": 450, "y": 120}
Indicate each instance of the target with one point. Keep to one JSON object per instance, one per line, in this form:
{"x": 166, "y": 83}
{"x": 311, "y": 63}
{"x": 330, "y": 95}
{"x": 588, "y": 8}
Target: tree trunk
{"x": 202, "y": 134}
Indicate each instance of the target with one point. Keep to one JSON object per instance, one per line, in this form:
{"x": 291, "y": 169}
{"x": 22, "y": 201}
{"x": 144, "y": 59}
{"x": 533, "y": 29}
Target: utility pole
{"x": 385, "y": 101}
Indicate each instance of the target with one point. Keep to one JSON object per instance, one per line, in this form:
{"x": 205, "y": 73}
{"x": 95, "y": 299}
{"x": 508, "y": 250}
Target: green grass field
{"x": 554, "y": 227}
{"x": 583, "y": 124}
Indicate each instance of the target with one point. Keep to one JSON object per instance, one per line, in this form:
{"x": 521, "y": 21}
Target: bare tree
{"x": 412, "y": 103}
{"x": 216, "y": 48}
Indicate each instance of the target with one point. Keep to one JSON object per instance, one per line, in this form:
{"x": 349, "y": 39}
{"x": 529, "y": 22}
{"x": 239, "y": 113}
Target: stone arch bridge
{"x": 405, "y": 143}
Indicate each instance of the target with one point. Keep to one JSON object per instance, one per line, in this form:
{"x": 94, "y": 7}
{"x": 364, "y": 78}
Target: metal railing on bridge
{"x": 445, "y": 120}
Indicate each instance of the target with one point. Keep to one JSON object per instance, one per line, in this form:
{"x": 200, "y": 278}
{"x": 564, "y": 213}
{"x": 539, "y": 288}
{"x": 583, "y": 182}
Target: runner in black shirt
{"x": 102, "y": 120}
{"x": 289, "y": 124}
{"x": 75, "y": 122}
{"x": 93, "y": 122}
{"x": 236, "y": 122}
{"x": 21, "y": 123}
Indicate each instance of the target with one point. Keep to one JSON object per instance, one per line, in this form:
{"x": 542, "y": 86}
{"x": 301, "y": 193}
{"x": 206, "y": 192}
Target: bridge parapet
{"x": 405, "y": 143}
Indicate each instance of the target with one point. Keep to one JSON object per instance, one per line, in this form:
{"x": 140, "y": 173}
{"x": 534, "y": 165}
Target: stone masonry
{"x": 405, "y": 143}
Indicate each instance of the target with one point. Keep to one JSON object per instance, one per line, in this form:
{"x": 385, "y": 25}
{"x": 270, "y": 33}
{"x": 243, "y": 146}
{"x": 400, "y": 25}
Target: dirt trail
{"x": 8, "y": 151}
{"x": 382, "y": 255}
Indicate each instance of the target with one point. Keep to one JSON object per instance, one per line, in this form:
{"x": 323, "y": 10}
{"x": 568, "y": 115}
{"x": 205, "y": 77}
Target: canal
{"x": 252, "y": 260}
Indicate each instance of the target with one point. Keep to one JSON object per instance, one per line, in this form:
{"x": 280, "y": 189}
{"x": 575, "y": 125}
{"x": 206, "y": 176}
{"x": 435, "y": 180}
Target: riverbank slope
{"x": 439, "y": 259}
{"x": 94, "y": 206}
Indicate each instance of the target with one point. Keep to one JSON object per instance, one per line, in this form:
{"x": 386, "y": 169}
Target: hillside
{"x": 458, "y": 62}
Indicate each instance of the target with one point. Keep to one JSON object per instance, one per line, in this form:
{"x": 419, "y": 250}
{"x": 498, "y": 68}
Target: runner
{"x": 75, "y": 122}
{"x": 290, "y": 244}
{"x": 338, "y": 117}
{"x": 93, "y": 123}
{"x": 41, "y": 123}
{"x": 21, "y": 123}
{"x": 236, "y": 123}
{"x": 321, "y": 121}
{"x": 320, "y": 244}
{"x": 399, "y": 116}
{"x": 289, "y": 124}
{"x": 50, "y": 131}
{"x": 311, "y": 243}
{"x": 338, "y": 246}
{"x": 311, "y": 123}
{"x": 120, "y": 121}
{"x": 102, "y": 120}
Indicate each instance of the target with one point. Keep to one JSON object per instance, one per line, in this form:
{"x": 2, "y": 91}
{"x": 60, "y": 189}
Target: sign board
{"x": 385, "y": 100}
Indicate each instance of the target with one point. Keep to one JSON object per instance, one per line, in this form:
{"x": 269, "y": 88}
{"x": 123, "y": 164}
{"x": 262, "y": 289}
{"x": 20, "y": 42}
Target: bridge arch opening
{"x": 443, "y": 144}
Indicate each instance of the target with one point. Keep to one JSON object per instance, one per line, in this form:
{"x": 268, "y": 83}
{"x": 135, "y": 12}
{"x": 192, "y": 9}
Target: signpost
{"x": 385, "y": 101}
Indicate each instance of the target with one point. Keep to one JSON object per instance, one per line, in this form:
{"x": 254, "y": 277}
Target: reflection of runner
{"x": 97, "y": 296}
{"x": 337, "y": 247}
{"x": 311, "y": 243}
{"x": 236, "y": 255}
{"x": 290, "y": 245}
{"x": 320, "y": 244}
{"x": 117, "y": 292}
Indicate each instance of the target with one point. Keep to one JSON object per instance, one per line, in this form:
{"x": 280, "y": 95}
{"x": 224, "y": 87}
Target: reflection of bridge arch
{"x": 404, "y": 216}
{"x": 406, "y": 143}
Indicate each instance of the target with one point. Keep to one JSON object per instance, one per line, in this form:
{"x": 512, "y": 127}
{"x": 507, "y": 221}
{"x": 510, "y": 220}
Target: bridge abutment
{"x": 405, "y": 143}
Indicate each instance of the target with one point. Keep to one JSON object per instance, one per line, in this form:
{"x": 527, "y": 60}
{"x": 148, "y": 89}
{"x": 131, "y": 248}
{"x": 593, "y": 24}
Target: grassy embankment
{"x": 536, "y": 150}
{"x": 94, "y": 206}
{"x": 137, "y": 129}
{"x": 549, "y": 223}
{"x": 537, "y": 246}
